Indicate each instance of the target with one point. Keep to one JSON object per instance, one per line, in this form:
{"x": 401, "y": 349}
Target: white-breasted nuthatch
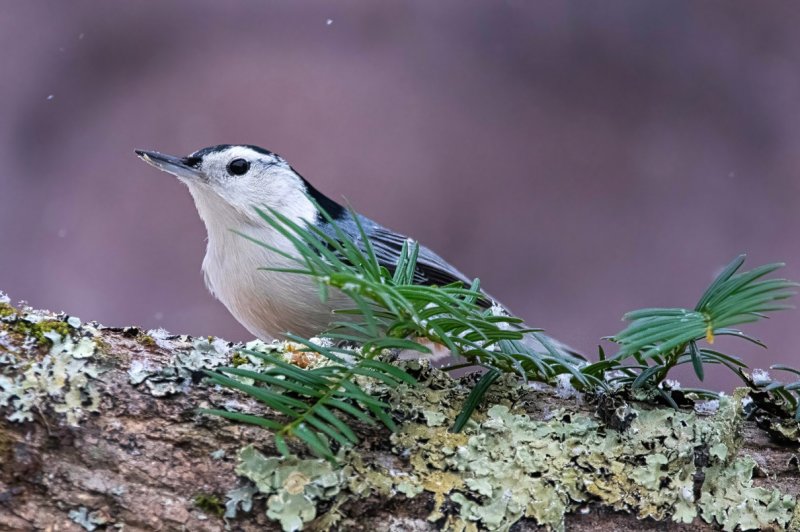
{"x": 227, "y": 182}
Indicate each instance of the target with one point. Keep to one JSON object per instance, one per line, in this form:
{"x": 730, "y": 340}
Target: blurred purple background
{"x": 582, "y": 159}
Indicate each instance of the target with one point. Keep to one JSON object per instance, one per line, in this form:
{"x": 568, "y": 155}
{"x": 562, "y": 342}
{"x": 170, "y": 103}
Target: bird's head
{"x": 228, "y": 181}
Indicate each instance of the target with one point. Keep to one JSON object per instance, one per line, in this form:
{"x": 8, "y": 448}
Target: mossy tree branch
{"x": 111, "y": 436}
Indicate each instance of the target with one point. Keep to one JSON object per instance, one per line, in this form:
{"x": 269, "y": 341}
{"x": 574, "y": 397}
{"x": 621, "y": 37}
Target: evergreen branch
{"x": 669, "y": 336}
{"x": 310, "y": 398}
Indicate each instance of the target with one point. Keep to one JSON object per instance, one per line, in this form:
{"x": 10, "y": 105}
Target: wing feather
{"x": 431, "y": 268}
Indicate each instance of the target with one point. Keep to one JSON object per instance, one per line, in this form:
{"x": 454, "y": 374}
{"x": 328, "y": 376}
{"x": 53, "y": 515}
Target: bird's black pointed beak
{"x": 180, "y": 167}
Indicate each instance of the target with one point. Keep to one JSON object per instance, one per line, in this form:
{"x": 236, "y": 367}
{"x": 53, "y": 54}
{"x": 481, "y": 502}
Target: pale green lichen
{"x": 189, "y": 356}
{"x": 505, "y": 466}
{"x": 219, "y": 454}
{"x": 787, "y": 430}
{"x": 239, "y": 499}
{"x": 294, "y": 487}
{"x": 364, "y": 480}
{"x": 88, "y": 520}
{"x": 513, "y": 467}
{"x": 663, "y": 464}
{"x": 730, "y": 499}
{"x": 62, "y": 377}
{"x": 434, "y": 418}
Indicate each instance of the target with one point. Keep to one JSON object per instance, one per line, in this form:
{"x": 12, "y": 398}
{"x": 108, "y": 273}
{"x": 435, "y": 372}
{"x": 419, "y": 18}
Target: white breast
{"x": 268, "y": 304}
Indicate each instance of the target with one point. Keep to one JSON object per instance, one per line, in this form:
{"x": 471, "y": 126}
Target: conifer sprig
{"x": 658, "y": 339}
{"x": 316, "y": 404}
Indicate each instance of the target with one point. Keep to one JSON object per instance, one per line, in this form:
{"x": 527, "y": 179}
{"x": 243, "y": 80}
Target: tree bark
{"x": 106, "y": 434}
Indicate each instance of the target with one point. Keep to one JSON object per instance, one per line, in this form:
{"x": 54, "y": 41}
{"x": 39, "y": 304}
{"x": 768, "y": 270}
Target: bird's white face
{"x": 229, "y": 181}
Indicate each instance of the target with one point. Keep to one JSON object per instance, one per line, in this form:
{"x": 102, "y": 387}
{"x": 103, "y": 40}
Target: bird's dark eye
{"x": 238, "y": 167}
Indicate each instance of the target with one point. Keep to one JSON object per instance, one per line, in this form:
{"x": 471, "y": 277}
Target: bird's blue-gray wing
{"x": 431, "y": 268}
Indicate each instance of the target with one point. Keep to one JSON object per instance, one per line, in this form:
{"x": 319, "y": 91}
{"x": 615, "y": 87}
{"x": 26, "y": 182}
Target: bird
{"x": 227, "y": 181}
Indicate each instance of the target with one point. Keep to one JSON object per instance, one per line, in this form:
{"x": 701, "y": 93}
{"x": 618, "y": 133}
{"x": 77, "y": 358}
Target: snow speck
{"x": 81, "y": 36}
{"x": 707, "y": 408}
{"x": 761, "y": 377}
{"x": 158, "y": 316}
{"x": 62, "y": 233}
{"x": 329, "y": 22}
{"x": 564, "y": 388}
{"x": 50, "y": 96}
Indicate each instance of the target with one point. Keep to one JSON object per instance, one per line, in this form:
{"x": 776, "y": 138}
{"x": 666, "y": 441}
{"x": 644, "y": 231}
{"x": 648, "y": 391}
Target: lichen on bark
{"x": 100, "y": 428}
